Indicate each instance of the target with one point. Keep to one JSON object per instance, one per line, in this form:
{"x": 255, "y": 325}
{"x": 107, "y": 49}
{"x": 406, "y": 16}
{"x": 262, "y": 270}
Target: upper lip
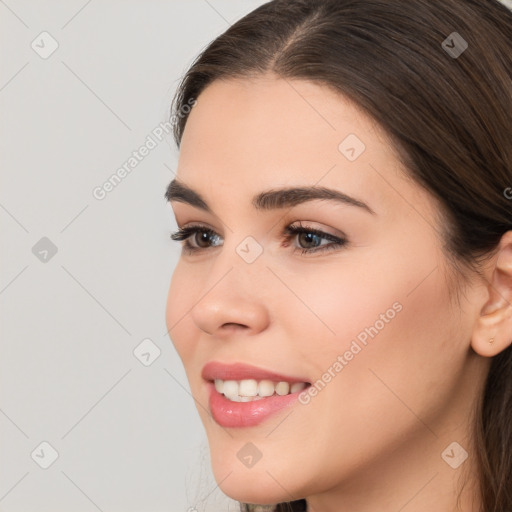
{"x": 241, "y": 371}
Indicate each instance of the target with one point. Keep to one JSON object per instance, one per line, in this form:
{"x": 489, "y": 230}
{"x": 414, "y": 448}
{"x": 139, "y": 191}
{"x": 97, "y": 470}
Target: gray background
{"x": 125, "y": 429}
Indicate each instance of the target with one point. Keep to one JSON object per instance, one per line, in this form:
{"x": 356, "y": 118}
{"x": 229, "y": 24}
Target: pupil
{"x": 309, "y": 237}
{"x": 204, "y": 237}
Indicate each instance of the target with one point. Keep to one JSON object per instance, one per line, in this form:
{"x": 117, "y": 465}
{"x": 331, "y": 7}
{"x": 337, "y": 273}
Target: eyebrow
{"x": 267, "y": 200}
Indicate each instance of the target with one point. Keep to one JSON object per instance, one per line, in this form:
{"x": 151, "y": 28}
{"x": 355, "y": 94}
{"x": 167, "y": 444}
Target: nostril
{"x": 233, "y": 325}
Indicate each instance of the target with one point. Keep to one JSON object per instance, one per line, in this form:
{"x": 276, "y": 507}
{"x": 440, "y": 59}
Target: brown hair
{"x": 448, "y": 115}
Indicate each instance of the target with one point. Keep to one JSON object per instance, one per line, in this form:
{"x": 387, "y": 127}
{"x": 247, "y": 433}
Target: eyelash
{"x": 183, "y": 235}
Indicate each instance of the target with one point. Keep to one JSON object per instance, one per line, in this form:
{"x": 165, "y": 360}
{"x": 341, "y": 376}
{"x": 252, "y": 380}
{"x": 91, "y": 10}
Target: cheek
{"x": 394, "y": 330}
{"x": 387, "y": 315}
{"x": 364, "y": 411}
{"x": 396, "y": 294}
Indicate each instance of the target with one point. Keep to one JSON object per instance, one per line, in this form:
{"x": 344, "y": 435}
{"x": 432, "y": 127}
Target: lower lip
{"x": 246, "y": 414}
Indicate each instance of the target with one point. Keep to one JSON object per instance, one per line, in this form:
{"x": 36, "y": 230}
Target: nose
{"x": 232, "y": 301}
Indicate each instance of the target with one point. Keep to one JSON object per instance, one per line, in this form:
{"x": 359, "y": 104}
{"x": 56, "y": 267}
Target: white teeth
{"x": 219, "y": 385}
{"x": 298, "y": 386}
{"x": 230, "y": 388}
{"x": 282, "y": 388}
{"x": 248, "y": 390}
{"x": 266, "y": 388}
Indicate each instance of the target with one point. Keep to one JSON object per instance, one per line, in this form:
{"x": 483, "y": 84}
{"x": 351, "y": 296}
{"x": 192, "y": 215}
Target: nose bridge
{"x": 233, "y": 292}
{"x": 242, "y": 262}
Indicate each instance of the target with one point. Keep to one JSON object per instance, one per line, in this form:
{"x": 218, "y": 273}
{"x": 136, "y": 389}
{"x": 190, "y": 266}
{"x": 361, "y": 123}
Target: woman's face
{"x": 367, "y": 324}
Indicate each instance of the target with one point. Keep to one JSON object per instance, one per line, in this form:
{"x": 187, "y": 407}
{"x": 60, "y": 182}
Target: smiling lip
{"x": 240, "y": 371}
{"x": 244, "y": 414}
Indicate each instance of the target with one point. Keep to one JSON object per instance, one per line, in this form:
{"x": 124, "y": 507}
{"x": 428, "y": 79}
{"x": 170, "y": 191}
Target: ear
{"x": 492, "y": 332}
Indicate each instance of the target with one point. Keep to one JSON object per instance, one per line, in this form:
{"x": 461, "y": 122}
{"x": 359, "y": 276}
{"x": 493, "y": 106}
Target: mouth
{"x": 242, "y": 395}
{"x": 249, "y": 390}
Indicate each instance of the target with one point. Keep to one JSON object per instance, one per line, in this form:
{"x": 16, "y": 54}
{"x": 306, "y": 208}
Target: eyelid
{"x": 289, "y": 232}
{"x": 290, "y": 226}
{"x": 308, "y": 226}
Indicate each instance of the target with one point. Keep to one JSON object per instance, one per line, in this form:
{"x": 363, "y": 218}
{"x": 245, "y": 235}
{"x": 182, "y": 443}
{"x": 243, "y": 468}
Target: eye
{"x": 189, "y": 233}
{"x": 310, "y": 239}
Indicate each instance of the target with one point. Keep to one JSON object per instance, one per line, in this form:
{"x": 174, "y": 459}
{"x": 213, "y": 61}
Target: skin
{"x": 372, "y": 439}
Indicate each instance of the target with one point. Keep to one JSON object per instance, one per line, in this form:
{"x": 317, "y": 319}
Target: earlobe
{"x": 493, "y": 328}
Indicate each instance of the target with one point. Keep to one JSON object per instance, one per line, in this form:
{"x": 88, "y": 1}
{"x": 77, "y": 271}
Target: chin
{"x": 267, "y": 482}
{"x": 246, "y": 487}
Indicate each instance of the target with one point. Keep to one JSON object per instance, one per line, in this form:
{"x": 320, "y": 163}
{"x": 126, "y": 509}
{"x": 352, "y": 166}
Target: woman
{"x": 343, "y": 301}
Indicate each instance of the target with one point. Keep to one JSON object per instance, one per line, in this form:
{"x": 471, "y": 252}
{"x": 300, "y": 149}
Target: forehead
{"x": 246, "y": 135}
{"x": 282, "y": 117}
